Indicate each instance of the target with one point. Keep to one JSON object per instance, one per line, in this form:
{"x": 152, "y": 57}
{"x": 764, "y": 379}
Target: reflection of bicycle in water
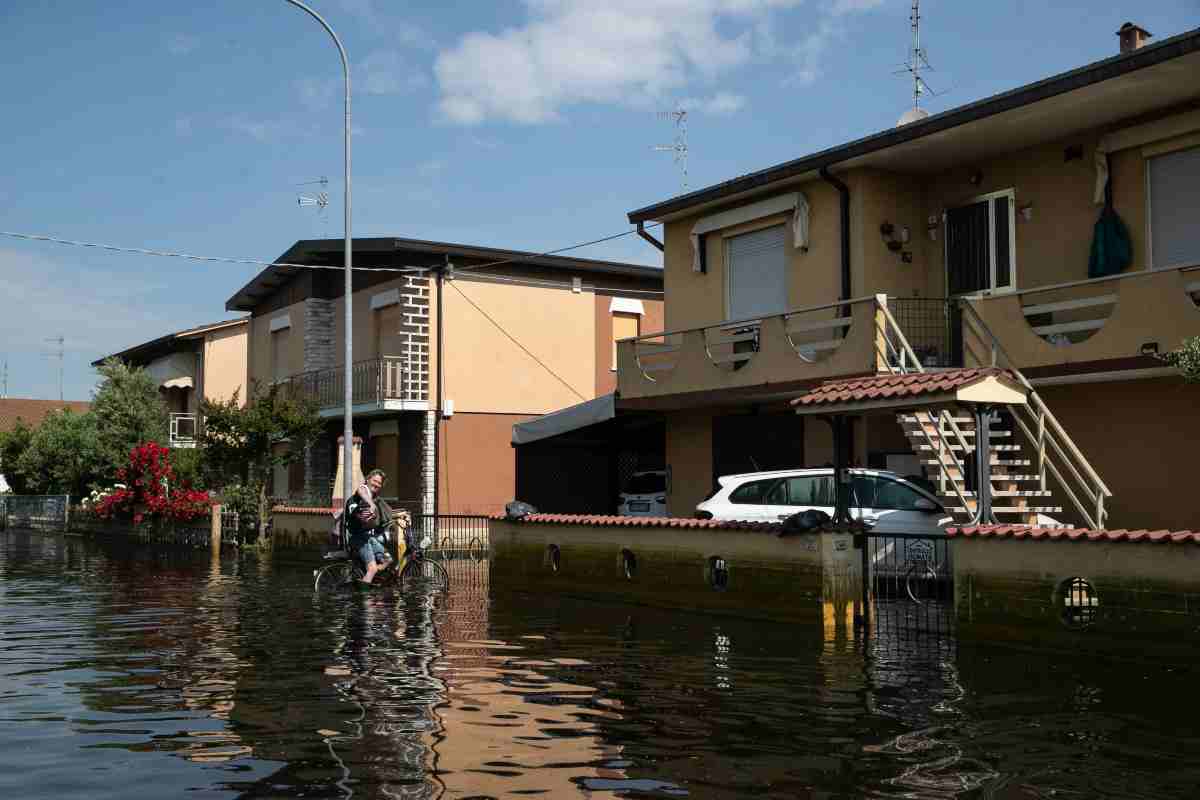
{"x": 410, "y": 568}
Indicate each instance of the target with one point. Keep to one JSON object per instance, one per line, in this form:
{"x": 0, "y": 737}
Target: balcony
{"x": 1078, "y": 323}
{"x": 379, "y": 385}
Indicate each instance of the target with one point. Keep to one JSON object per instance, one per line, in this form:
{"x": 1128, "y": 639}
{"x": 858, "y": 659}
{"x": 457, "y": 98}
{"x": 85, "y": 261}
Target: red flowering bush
{"x": 145, "y": 491}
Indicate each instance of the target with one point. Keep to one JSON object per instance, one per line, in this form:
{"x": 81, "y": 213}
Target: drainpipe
{"x": 844, "y": 192}
{"x": 437, "y": 418}
{"x": 641, "y": 231}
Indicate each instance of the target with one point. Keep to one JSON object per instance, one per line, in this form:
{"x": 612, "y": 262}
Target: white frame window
{"x": 1011, "y": 286}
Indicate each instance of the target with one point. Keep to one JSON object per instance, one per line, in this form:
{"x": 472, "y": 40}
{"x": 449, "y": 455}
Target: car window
{"x": 646, "y": 484}
{"x": 894, "y": 495}
{"x": 752, "y": 492}
{"x": 777, "y": 495}
{"x": 810, "y": 490}
{"x": 862, "y": 491}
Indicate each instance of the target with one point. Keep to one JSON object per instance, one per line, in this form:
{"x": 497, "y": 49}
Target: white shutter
{"x": 757, "y": 266}
{"x": 1175, "y": 208}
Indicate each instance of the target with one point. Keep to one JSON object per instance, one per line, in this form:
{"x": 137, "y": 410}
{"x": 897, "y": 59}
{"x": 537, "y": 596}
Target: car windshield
{"x": 646, "y": 484}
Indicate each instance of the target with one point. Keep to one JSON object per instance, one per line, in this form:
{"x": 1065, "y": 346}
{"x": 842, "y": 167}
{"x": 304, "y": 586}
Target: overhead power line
{"x": 559, "y": 250}
{"x": 145, "y": 251}
{"x": 510, "y": 337}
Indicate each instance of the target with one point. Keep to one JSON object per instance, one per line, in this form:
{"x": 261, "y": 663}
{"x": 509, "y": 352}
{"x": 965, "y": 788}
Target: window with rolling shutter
{"x": 1174, "y": 183}
{"x": 756, "y": 265}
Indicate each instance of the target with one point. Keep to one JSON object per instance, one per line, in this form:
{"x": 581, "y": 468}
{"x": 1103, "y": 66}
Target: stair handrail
{"x": 940, "y": 447}
{"x": 1044, "y": 415}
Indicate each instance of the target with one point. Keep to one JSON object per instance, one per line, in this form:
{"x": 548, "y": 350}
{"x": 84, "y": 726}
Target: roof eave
{"x": 1080, "y": 77}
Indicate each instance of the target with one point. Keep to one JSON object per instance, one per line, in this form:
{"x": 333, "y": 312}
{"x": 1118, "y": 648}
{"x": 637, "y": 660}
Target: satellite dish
{"x": 912, "y": 115}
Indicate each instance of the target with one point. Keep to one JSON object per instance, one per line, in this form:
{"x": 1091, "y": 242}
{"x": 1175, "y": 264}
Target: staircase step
{"x": 996, "y": 510}
{"x": 1007, "y": 448}
{"x": 1013, "y": 493}
{"x": 914, "y": 432}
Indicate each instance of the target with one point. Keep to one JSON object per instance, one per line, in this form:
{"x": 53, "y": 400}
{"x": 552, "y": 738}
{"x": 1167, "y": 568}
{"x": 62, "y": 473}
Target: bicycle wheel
{"x": 333, "y": 577}
{"x": 425, "y": 572}
{"x": 926, "y": 579}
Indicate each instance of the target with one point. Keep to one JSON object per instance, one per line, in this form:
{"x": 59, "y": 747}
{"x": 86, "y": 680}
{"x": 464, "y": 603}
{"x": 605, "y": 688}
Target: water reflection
{"x": 151, "y": 673}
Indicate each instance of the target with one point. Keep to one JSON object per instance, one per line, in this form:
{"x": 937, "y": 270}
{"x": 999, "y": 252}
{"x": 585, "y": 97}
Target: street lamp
{"x": 348, "y": 413}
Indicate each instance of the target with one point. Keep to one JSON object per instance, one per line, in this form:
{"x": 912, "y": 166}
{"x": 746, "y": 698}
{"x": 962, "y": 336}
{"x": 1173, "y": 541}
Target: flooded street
{"x": 146, "y": 673}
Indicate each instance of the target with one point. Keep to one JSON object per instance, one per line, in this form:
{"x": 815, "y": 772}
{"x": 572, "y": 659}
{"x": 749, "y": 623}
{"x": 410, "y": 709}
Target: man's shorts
{"x": 368, "y": 549}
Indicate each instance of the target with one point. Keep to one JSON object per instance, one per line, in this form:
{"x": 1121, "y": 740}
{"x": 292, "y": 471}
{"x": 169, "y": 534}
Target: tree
{"x": 63, "y": 455}
{"x": 1186, "y": 359}
{"x": 13, "y": 444}
{"x": 242, "y": 441}
{"x": 129, "y": 411}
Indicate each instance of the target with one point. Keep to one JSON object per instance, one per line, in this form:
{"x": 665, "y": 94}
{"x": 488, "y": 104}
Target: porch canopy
{"x": 174, "y": 371}
{"x": 571, "y": 418}
{"x": 978, "y": 386}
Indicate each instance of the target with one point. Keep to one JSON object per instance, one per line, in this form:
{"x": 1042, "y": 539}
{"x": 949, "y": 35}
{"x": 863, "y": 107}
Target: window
{"x": 811, "y": 490}
{"x": 980, "y": 241}
{"x": 875, "y": 491}
{"x": 756, "y": 269}
{"x": 1174, "y": 185}
{"x": 752, "y": 493}
{"x": 624, "y": 326}
{"x": 280, "y": 341}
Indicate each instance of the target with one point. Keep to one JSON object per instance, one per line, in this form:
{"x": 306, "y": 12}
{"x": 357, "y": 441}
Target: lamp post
{"x": 348, "y": 413}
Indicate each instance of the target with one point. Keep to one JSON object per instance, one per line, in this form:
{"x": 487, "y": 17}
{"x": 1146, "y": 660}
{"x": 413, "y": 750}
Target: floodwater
{"x": 148, "y": 673}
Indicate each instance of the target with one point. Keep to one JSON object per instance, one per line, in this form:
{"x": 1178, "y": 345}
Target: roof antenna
{"x": 913, "y": 66}
{"x": 60, "y": 341}
{"x": 680, "y": 146}
{"x": 320, "y": 200}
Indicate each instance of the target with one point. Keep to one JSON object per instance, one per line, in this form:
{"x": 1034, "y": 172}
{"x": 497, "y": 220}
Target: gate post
{"x": 66, "y": 512}
{"x": 214, "y": 538}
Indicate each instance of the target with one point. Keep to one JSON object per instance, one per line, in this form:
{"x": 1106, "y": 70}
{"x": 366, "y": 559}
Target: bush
{"x": 1186, "y": 359}
{"x": 146, "y": 493}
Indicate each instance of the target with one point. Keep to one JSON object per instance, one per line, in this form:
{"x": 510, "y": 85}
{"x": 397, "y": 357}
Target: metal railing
{"x": 374, "y": 380}
{"x": 35, "y": 512}
{"x": 185, "y": 429}
{"x": 453, "y": 535}
{"x": 813, "y": 333}
{"x": 1055, "y": 451}
{"x": 932, "y": 326}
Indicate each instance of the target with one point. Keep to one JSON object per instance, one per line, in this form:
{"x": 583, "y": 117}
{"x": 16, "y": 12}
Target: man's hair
{"x": 375, "y": 472}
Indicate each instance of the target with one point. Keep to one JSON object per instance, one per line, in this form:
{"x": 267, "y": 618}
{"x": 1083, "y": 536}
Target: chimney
{"x": 1133, "y": 37}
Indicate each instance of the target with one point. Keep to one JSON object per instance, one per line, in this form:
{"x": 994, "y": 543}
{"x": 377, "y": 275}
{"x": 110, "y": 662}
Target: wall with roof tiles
{"x": 1012, "y": 584}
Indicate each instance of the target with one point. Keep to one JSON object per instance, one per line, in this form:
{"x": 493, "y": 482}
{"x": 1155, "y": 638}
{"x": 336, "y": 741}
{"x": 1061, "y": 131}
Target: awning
{"x": 571, "y": 418}
{"x": 174, "y": 371}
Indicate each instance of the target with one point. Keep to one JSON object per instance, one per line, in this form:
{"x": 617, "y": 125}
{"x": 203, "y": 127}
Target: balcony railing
{"x": 184, "y": 429}
{"x": 374, "y": 381}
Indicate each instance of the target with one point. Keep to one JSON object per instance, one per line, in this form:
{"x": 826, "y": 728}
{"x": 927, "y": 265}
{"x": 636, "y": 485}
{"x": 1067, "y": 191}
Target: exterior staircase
{"x": 945, "y": 443}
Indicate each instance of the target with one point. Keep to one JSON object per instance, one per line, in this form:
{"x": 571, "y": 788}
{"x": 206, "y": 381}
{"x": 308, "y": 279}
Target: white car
{"x": 884, "y": 500}
{"x": 645, "y": 495}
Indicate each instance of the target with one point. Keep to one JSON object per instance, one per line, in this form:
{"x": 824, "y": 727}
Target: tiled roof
{"x": 32, "y": 412}
{"x": 643, "y": 522}
{"x": 894, "y": 386}
{"x": 1030, "y": 533}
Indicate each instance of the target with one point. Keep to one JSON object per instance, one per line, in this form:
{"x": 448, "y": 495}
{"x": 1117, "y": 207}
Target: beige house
{"x": 959, "y": 239}
{"x": 519, "y": 335}
{"x": 207, "y": 362}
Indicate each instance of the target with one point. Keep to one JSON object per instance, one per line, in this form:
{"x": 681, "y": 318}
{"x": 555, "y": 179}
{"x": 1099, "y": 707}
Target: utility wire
{"x": 561, "y": 284}
{"x": 143, "y": 251}
{"x": 559, "y": 250}
{"x": 500, "y": 328}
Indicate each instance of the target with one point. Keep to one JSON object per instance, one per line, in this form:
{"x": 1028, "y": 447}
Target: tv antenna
{"x": 916, "y": 62}
{"x": 60, "y": 341}
{"x": 4, "y": 394}
{"x": 319, "y": 200}
{"x": 679, "y": 147}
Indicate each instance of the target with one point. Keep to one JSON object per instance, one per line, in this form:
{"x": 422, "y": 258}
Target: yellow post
{"x": 215, "y": 537}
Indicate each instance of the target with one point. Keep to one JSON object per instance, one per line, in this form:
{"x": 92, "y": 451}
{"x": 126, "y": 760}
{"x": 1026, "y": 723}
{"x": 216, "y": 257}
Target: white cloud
{"x": 385, "y": 72}
{"x": 578, "y": 51}
{"x": 720, "y": 104}
{"x": 635, "y": 53}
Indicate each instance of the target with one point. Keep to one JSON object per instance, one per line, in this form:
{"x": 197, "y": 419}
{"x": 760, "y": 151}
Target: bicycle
{"x": 411, "y": 569}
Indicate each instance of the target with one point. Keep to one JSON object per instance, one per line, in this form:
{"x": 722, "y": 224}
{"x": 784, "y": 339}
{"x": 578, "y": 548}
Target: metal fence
{"x": 197, "y": 533}
{"x": 35, "y": 512}
{"x": 933, "y": 327}
{"x": 912, "y": 583}
{"x": 453, "y": 535}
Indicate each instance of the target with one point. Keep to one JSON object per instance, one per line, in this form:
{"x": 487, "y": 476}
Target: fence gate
{"x": 35, "y": 512}
{"x": 912, "y": 583}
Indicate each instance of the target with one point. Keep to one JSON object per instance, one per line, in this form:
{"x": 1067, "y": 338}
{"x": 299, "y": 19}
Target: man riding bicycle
{"x": 366, "y": 518}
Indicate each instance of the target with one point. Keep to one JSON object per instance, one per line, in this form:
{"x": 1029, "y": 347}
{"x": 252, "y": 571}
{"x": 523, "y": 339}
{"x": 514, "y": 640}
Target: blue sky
{"x": 518, "y": 123}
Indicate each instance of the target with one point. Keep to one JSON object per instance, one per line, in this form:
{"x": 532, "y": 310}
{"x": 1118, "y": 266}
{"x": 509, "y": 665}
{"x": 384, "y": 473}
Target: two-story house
{"x": 966, "y": 238}
{"x": 452, "y": 345}
{"x": 206, "y": 362}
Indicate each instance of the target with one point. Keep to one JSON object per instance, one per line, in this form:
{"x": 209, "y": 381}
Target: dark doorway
{"x": 757, "y": 442}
